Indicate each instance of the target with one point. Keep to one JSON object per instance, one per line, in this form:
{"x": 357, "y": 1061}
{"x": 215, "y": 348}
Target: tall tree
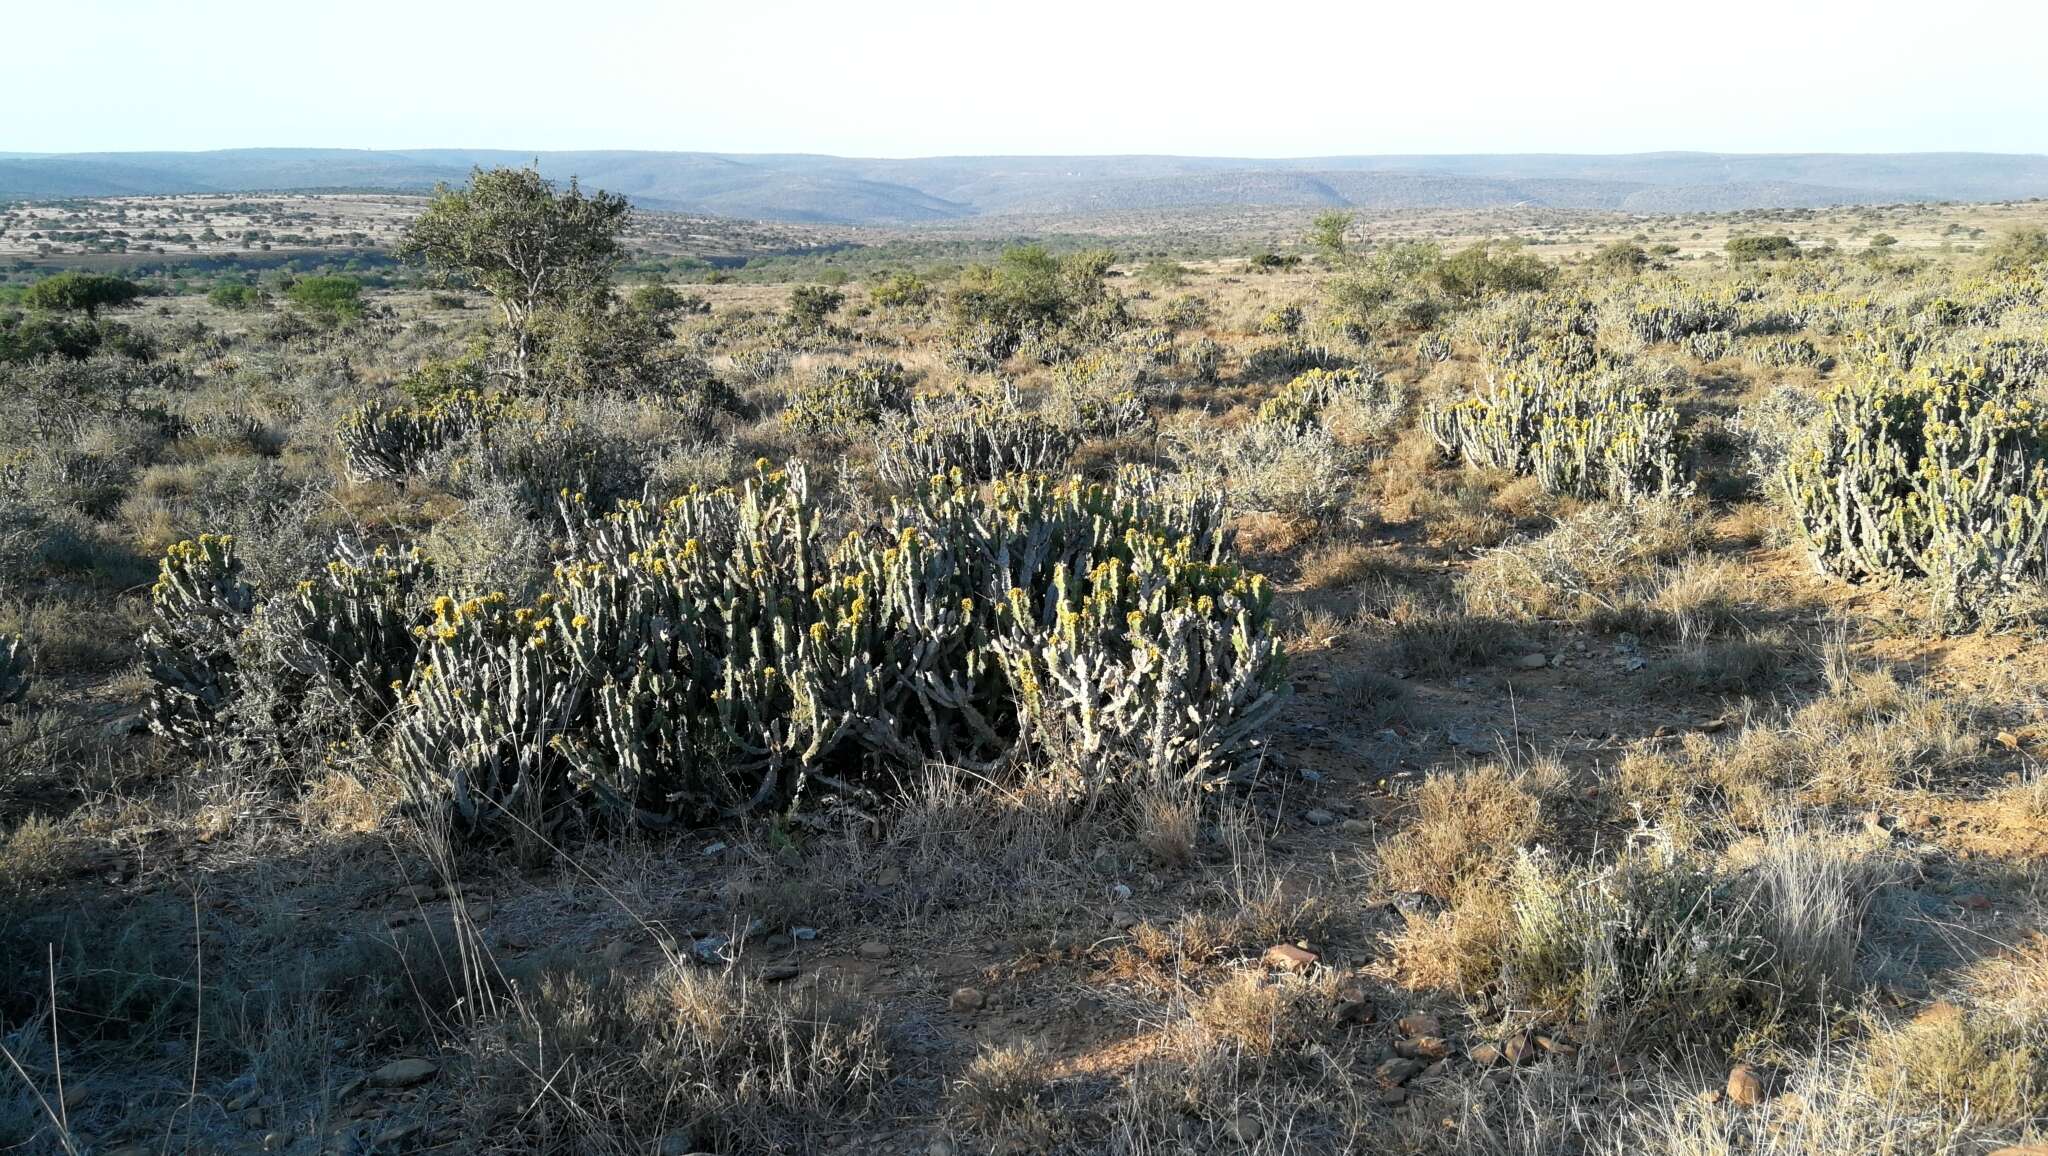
{"x": 530, "y": 246}
{"x": 1327, "y": 231}
{"x": 86, "y": 293}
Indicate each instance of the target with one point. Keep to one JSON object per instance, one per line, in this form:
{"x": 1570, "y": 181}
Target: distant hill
{"x": 844, "y": 190}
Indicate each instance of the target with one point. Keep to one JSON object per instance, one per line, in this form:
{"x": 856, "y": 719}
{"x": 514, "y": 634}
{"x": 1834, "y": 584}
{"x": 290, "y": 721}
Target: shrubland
{"x": 1430, "y": 698}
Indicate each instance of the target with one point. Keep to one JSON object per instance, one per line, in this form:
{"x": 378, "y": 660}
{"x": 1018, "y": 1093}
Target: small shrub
{"x": 1608, "y": 435}
{"x": 843, "y": 399}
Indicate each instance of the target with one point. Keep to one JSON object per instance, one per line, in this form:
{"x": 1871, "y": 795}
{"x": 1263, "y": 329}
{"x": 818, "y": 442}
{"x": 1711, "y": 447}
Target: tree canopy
{"x": 529, "y": 245}
{"x": 86, "y": 293}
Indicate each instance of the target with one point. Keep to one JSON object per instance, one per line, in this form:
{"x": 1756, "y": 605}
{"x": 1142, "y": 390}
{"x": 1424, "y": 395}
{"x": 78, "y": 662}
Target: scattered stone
{"x": 1427, "y": 1048}
{"x": 1485, "y": 1055}
{"x": 890, "y": 877}
{"x": 874, "y": 949}
{"x": 940, "y": 1146}
{"x": 804, "y": 934}
{"x": 1973, "y": 901}
{"x": 778, "y": 972}
{"x": 1355, "y": 827}
{"x": 404, "y": 1073}
{"x": 1556, "y": 1047}
{"x": 967, "y": 999}
{"x": 1535, "y": 660}
{"x": 75, "y": 1095}
{"x": 1355, "y": 1011}
{"x": 1244, "y": 1130}
{"x": 713, "y": 849}
{"x": 1120, "y": 892}
{"x": 2008, "y": 740}
{"x": 390, "y": 1138}
{"x": 1518, "y": 1050}
{"x": 1393, "y": 1097}
{"x": 1710, "y": 1096}
{"x": 1746, "y": 1086}
{"x": 778, "y": 942}
{"x": 1288, "y": 957}
{"x": 1319, "y": 818}
{"x": 1418, "y": 1024}
{"x": 1397, "y": 1071}
{"x": 2023, "y": 1150}
{"x": 1124, "y": 920}
{"x": 677, "y": 1144}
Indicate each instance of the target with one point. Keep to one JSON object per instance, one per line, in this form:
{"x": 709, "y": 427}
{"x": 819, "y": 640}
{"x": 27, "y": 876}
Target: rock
{"x": 803, "y": 934}
{"x": 75, "y": 1095}
{"x": 940, "y": 1146}
{"x": 1244, "y": 1130}
{"x": 1972, "y": 901}
{"x": 1518, "y": 1050}
{"x": 778, "y": 942}
{"x": 1746, "y": 1086}
{"x": 1418, "y": 1024}
{"x": 967, "y": 999}
{"x": 1355, "y": 1011}
{"x": 2023, "y": 1150}
{"x": 890, "y": 877}
{"x": 1485, "y": 1055}
{"x": 1288, "y": 957}
{"x": 874, "y": 949}
{"x": 404, "y": 1073}
{"x": 1397, "y": 1071}
{"x": 1426, "y": 1048}
{"x": 778, "y": 972}
{"x": 1355, "y": 827}
{"x": 1535, "y": 660}
{"x": 1319, "y": 818}
{"x": 1393, "y": 1097}
{"x": 2008, "y": 740}
{"x": 677, "y": 1144}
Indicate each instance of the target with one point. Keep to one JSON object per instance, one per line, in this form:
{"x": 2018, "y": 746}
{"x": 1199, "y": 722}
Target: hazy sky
{"x": 918, "y": 78}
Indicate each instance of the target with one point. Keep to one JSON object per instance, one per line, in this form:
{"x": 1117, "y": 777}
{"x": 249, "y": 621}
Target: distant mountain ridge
{"x": 855, "y": 191}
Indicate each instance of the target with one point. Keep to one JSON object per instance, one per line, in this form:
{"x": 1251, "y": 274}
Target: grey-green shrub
{"x": 725, "y": 653}
{"x": 1937, "y": 472}
{"x": 1598, "y": 435}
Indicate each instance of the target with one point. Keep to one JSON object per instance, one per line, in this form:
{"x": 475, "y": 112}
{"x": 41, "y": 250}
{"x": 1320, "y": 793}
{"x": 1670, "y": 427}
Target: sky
{"x": 901, "y": 78}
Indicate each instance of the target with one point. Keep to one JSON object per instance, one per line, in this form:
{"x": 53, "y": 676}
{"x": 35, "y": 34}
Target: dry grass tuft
{"x": 1467, "y": 825}
{"x": 617, "y": 1066}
